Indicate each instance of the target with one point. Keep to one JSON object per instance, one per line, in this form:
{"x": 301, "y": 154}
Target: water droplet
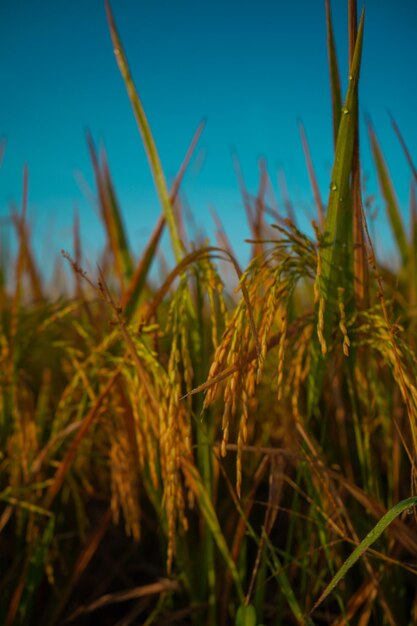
{"x": 333, "y": 187}
{"x": 350, "y": 77}
{"x": 345, "y": 111}
{"x": 410, "y": 510}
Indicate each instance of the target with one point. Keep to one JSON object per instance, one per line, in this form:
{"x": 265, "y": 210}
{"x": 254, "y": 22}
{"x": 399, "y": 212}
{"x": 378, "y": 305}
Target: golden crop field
{"x": 182, "y": 452}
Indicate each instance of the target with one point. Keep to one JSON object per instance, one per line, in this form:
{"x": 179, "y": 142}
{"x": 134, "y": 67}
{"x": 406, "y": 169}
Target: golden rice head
{"x": 175, "y": 433}
{"x": 373, "y": 331}
{"x": 175, "y": 443}
{"x": 342, "y": 321}
{"x": 281, "y": 353}
{"x": 299, "y": 368}
{"x": 214, "y": 288}
{"x": 241, "y": 440}
{"x": 124, "y": 483}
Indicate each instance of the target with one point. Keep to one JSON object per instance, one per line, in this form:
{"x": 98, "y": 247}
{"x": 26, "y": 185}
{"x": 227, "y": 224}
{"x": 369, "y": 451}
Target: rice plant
{"x": 182, "y": 453}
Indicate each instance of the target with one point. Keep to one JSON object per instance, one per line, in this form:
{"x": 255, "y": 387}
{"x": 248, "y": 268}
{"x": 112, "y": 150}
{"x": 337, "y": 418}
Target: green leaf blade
{"x": 334, "y": 74}
{"x": 388, "y": 193}
{"x": 147, "y": 137}
{"x": 370, "y": 538}
{"x": 337, "y": 253}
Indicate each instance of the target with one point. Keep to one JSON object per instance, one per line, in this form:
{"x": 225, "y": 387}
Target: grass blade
{"x": 413, "y": 256}
{"x": 405, "y": 149}
{"x": 334, "y": 74}
{"x": 337, "y": 252}
{"x": 147, "y": 137}
{"x": 23, "y": 233}
{"x": 111, "y": 216}
{"x": 121, "y": 245}
{"x": 196, "y": 485}
{"x": 88, "y": 421}
{"x": 36, "y": 569}
{"x": 370, "y": 538}
{"x": 387, "y": 190}
{"x": 312, "y": 176}
{"x": 131, "y": 296}
{"x": 360, "y": 266}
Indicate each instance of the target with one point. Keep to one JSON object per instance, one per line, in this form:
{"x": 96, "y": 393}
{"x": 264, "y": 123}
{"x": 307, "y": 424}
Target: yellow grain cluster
{"x": 124, "y": 483}
{"x": 342, "y": 324}
{"x": 299, "y": 368}
{"x": 318, "y": 294}
{"x": 267, "y": 292}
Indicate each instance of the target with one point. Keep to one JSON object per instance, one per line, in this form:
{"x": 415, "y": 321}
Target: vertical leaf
{"x": 25, "y": 249}
{"x": 131, "y": 296}
{"x": 360, "y": 266}
{"x": 388, "y": 193}
{"x": 111, "y": 217}
{"x": 334, "y": 74}
{"x": 312, "y": 176}
{"x": 147, "y": 137}
{"x": 196, "y": 485}
{"x": 405, "y": 149}
{"x": 36, "y": 569}
{"x": 121, "y": 245}
{"x": 413, "y": 255}
{"x": 337, "y": 249}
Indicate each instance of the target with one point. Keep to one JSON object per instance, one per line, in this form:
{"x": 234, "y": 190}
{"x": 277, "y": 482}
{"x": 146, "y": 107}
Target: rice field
{"x": 182, "y": 452}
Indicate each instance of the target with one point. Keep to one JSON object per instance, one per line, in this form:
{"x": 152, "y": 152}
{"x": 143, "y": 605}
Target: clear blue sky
{"x": 252, "y": 68}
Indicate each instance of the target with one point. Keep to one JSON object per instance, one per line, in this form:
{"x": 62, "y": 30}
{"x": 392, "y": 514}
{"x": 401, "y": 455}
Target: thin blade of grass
{"x": 23, "y": 233}
{"x": 259, "y": 221}
{"x": 111, "y": 217}
{"x": 399, "y": 529}
{"x": 188, "y": 155}
{"x": 121, "y": 245}
{"x": 131, "y": 296}
{"x": 413, "y": 256}
{"x": 243, "y": 191}
{"x": 387, "y": 190}
{"x": 36, "y": 569}
{"x": 370, "y": 538}
{"x": 66, "y": 462}
{"x": 147, "y": 137}
{"x": 276, "y": 482}
{"x": 312, "y": 176}
{"x": 286, "y": 200}
{"x": 405, "y": 149}
{"x": 133, "y": 292}
{"x": 77, "y": 252}
{"x": 221, "y": 235}
{"x": 274, "y": 563}
{"x": 337, "y": 253}
{"x": 87, "y": 553}
{"x": 360, "y": 266}
{"x": 334, "y": 74}
{"x": 195, "y": 483}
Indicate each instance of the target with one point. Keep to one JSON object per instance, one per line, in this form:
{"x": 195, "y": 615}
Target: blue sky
{"x": 252, "y": 68}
